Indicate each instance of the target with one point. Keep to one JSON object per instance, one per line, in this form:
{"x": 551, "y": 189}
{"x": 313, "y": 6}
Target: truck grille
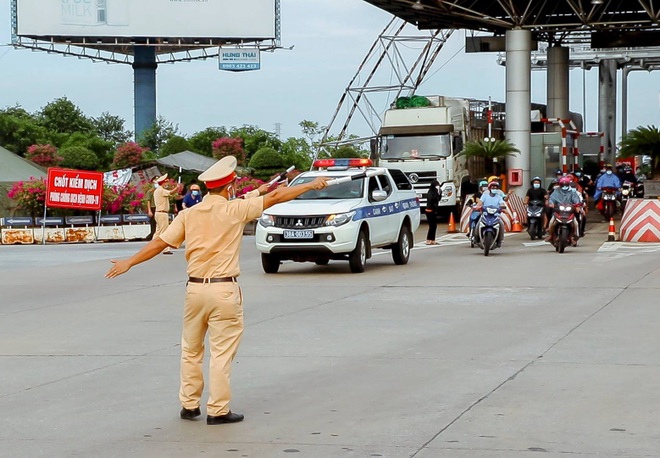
{"x": 299, "y": 222}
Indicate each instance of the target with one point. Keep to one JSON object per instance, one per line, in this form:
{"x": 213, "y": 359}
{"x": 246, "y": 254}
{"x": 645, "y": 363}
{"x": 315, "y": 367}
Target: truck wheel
{"x": 401, "y": 250}
{"x": 358, "y": 257}
{"x": 322, "y": 262}
{"x": 270, "y": 263}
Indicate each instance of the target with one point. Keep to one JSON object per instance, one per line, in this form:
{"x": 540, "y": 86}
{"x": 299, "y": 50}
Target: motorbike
{"x": 609, "y": 202}
{"x": 564, "y": 228}
{"x": 535, "y": 219}
{"x": 627, "y": 192}
{"x": 487, "y": 231}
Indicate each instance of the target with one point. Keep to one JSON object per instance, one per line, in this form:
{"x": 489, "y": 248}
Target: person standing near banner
{"x": 162, "y": 207}
{"x": 212, "y": 230}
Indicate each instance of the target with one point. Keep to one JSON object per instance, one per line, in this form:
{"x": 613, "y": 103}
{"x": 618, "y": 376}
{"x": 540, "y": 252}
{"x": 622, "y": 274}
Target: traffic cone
{"x": 451, "y": 229}
{"x": 611, "y": 236}
{"x": 516, "y": 226}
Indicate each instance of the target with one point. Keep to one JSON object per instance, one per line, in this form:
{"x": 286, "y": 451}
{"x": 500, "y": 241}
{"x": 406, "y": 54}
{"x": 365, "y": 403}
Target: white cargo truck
{"x": 424, "y": 142}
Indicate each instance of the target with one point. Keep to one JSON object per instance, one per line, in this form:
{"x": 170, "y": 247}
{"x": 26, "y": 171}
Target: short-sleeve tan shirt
{"x": 213, "y": 230}
{"x": 161, "y": 199}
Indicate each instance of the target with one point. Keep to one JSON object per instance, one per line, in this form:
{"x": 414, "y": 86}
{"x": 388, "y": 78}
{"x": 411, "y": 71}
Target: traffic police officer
{"x": 162, "y": 205}
{"x": 212, "y": 230}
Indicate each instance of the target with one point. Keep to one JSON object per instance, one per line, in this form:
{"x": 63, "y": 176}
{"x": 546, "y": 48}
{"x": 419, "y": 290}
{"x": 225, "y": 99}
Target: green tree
{"x": 643, "y": 141}
{"x": 175, "y": 144}
{"x": 111, "y": 128}
{"x": 18, "y": 132}
{"x": 296, "y": 151}
{"x": 255, "y": 139}
{"x": 103, "y": 149}
{"x": 79, "y": 157}
{"x": 202, "y": 142}
{"x": 63, "y": 116}
{"x": 128, "y": 154}
{"x": 346, "y": 151}
{"x": 266, "y": 162}
{"x": 494, "y": 151}
{"x": 157, "y": 135}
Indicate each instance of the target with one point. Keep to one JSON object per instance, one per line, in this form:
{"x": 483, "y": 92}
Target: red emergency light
{"x": 352, "y": 162}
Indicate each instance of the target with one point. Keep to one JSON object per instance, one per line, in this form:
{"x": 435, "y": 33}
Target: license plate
{"x": 298, "y": 234}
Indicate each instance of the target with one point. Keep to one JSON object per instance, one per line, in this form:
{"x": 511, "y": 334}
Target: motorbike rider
{"x": 607, "y": 180}
{"x": 563, "y": 195}
{"x": 628, "y": 175}
{"x": 537, "y": 192}
{"x": 475, "y": 201}
{"x": 494, "y": 198}
{"x": 555, "y": 181}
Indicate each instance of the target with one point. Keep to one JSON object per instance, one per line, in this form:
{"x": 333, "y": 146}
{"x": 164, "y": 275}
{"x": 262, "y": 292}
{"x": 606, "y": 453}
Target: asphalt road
{"x": 522, "y": 353}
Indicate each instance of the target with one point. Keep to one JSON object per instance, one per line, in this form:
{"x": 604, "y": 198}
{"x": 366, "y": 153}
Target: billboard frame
{"x": 120, "y": 49}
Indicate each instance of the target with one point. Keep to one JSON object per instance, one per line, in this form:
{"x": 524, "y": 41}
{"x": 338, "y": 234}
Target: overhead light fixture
{"x": 596, "y": 2}
{"x": 418, "y": 5}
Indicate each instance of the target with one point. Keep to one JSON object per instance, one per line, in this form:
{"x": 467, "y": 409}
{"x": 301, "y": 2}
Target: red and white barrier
{"x": 641, "y": 221}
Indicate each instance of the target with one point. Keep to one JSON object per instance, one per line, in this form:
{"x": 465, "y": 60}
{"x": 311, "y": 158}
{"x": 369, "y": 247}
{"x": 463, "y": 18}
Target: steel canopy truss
{"x": 549, "y": 20}
{"x": 405, "y": 76}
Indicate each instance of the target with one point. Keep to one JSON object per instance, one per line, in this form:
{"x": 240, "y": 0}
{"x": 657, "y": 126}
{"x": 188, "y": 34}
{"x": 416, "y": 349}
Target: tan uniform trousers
{"x": 218, "y": 309}
{"x": 162, "y": 222}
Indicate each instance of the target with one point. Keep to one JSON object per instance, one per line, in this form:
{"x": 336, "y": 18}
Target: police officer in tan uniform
{"x": 162, "y": 205}
{"x": 212, "y": 230}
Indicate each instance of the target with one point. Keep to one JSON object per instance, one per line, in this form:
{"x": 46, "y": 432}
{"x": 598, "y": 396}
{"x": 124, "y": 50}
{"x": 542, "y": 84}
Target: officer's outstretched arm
{"x": 147, "y": 252}
{"x": 286, "y": 194}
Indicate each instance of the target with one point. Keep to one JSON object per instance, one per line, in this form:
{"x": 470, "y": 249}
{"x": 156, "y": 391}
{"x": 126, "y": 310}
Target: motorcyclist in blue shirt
{"x": 606, "y": 180}
{"x": 494, "y": 198}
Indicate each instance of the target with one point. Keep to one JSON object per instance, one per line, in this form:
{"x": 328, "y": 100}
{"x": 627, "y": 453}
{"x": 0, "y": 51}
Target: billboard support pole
{"x": 144, "y": 84}
{"x": 43, "y": 226}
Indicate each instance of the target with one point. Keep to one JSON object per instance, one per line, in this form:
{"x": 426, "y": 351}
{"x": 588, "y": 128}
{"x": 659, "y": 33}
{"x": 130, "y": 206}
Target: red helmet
{"x": 565, "y": 181}
{"x": 493, "y": 184}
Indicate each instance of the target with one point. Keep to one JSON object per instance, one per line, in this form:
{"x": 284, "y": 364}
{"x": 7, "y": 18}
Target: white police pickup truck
{"x": 366, "y": 208}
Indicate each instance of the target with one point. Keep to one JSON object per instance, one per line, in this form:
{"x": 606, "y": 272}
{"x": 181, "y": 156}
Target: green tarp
{"x": 14, "y": 168}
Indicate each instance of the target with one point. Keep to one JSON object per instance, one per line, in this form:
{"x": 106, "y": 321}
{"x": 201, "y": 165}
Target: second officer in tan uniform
{"x": 162, "y": 205}
{"x": 212, "y": 230}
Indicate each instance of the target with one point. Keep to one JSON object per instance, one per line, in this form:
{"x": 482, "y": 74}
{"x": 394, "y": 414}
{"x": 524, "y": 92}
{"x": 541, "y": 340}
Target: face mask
{"x": 232, "y": 193}
{"x": 156, "y": 185}
{"x": 565, "y": 188}
{"x": 578, "y": 174}
{"x": 493, "y": 192}
{"x": 609, "y": 172}
{"x": 602, "y": 171}
{"x": 537, "y": 185}
{"x": 482, "y": 189}
{"x": 195, "y": 193}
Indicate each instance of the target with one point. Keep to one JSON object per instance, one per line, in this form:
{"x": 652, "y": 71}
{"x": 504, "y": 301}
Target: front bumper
{"x": 327, "y": 241}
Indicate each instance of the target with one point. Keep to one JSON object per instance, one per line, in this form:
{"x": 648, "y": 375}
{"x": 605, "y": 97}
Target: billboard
{"x": 79, "y": 189}
{"x": 197, "y": 19}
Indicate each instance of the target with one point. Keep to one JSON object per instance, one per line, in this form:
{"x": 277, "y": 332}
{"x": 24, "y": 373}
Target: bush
{"x": 346, "y": 152}
{"x": 29, "y": 195}
{"x": 128, "y": 155}
{"x": 128, "y": 199}
{"x": 44, "y": 155}
{"x": 266, "y": 162}
{"x": 79, "y": 157}
{"x": 247, "y": 184}
{"x": 175, "y": 144}
{"x": 228, "y": 146}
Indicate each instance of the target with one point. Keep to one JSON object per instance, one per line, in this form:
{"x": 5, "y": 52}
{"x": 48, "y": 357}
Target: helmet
{"x": 493, "y": 185}
{"x": 483, "y": 183}
{"x": 536, "y": 179}
{"x": 608, "y": 166}
{"x": 559, "y": 172}
{"x": 493, "y": 178}
{"x": 565, "y": 181}
{"x": 627, "y": 168}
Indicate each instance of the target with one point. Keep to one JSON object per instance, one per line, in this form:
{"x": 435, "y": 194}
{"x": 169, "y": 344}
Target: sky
{"x": 329, "y": 39}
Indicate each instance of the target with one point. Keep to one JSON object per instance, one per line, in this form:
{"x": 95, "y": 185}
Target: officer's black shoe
{"x": 190, "y": 414}
{"x": 230, "y": 417}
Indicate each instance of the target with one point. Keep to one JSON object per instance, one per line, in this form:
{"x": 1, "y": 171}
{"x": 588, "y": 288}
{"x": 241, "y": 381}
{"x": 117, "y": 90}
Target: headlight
{"x": 339, "y": 219}
{"x": 267, "y": 220}
{"x": 564, "y": 208}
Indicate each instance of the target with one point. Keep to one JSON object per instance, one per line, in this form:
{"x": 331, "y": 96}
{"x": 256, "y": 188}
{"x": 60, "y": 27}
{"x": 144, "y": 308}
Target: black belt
{"x": 211, "y": 279}
{"x": 161, "y": 211}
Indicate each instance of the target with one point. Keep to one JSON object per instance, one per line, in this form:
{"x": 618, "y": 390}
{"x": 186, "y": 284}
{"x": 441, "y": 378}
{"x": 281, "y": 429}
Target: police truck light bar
{"x": 353, "y": 162}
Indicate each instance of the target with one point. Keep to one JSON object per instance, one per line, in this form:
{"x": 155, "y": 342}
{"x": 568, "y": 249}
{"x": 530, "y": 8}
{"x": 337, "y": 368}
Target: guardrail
{"x": 73, "y": 229}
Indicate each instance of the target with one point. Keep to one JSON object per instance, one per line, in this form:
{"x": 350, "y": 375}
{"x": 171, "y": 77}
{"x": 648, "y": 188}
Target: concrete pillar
{"x": 518, "y": 105}
{"x": 624, "y": 100}
{"x": 607, "y": 105}
{"x": 558, "y": 78}
{"x": 144, "y": 87}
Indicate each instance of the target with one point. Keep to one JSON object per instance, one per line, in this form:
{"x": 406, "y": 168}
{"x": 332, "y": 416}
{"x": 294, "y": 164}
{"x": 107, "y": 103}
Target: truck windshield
{"x": 415, "y": 146}
{"x": 349, "y": 190}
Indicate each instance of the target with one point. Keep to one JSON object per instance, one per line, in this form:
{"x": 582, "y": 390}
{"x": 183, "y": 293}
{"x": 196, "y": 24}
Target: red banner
{"x": 80, "y": 189}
